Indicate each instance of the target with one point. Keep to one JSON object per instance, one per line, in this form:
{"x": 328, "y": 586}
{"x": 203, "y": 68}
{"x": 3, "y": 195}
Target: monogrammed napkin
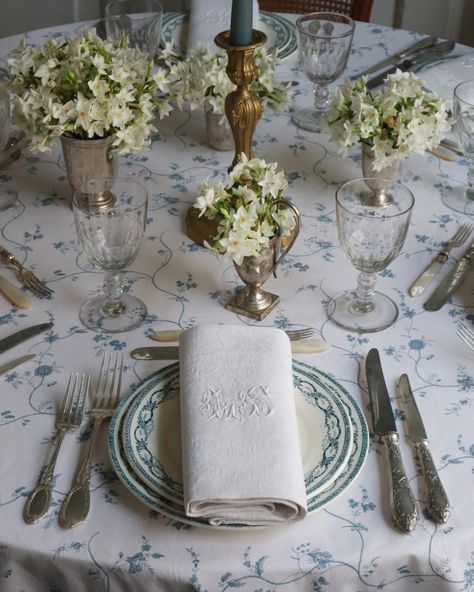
{"x": 207, "y": 18}
{"x": 241, "y": 455}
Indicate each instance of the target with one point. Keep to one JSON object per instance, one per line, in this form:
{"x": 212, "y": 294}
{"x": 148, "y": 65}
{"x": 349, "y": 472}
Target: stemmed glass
{"x": 141, "y": 20}
{"x": 371, "y": 233}
{"x": 111, "y": 236}
{"x": 461, "y": 199}
{"x": 324, "y": 43}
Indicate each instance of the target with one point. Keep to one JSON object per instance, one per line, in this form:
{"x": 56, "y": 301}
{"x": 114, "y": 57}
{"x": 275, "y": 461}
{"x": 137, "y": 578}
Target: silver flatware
{"x": 68, "y": 420}
{"x": 466, "y": 334}
{"x": 171, "y": 352}
{"x": 452, "y": 281}
{"x": 13, "y": 151}
{"x": 403, "y": 504}
{"x": 76, "y": 504}
{"x": 437, "y": 499}
{"x": 4, "y": 368}
{"x": 22, "y": 335}
{"x": 438, "y": 50}
{"x": 399, "y": 56}
{"x": 425, "y": 278}
{"x": 173, "y": 334}
{"x": 27, "y": 277}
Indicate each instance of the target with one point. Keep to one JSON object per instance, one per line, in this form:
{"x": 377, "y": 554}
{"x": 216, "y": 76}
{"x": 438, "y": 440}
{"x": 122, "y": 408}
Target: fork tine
{"x": 37, "y": 284}
{"x": 466, "y": 334}
{"x": 296, "y": 334}
{"x": 118, "y": 376}
{"x": 68, "y": 397}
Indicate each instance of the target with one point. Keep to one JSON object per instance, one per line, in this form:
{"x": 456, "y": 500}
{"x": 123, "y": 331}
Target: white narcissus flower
{"x": 397, "y": 121}
{"x": 248, "y": 208}
{"x": 89, "y": 88}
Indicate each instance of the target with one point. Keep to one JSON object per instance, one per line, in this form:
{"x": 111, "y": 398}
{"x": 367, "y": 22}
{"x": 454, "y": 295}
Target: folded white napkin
{"x": 208, "y": 18}
{"x": 241, "y": 454}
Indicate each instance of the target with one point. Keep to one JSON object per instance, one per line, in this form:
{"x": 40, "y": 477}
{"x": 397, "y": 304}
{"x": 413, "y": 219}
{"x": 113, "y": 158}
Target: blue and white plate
{"x": 281, "y": 33}
{"x": 151, "y": 433}
{"x": 175, "y": 510}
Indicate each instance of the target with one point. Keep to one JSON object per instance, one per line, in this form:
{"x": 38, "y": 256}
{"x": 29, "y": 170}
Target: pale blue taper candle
{"x": 241, "y": 22}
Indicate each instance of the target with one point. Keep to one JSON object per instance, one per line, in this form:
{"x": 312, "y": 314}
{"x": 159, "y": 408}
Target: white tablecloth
{"x": 349, "y": 545}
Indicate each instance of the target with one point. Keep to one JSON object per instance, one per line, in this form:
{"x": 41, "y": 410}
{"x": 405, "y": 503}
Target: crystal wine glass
{"x": 371, "y": 233}
{"x": 324, "y": 43}
{"x": 461, "y": 198}
{"x": 111, "y": 236}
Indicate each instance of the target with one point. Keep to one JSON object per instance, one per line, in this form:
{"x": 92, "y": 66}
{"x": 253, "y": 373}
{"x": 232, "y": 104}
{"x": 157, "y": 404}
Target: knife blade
{"x": 437, "y": 502}
{"x": 403, "y": 504}
{"x": 14, "y": 363}
{"x": 437, "y": 50}
{"x": 22, "y": 335}
{"x": 452, "y": 281}
{"x": 301, "y": 346}
{"x": 399, "y": 56}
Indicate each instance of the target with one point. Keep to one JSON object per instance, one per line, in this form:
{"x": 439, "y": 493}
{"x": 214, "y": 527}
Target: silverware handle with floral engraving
{"x": 438, "y": 502}
{"x": 404, "y": 510}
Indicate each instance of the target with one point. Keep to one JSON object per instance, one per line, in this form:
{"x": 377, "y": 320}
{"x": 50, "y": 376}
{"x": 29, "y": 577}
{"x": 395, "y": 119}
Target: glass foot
{"x": 308, "y": 119}
{"x": 459, "y": 199}
{"x": 343, "y": 312}
{"x": 94, "y": 316}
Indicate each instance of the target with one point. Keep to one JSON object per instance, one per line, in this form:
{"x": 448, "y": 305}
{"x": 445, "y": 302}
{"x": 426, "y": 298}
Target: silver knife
{"x": 404, "y": 510}
{"x": 399, "y": 56}
{"x": 437, "y": 50}
{"x": 19, "y": 336}
{"x": 437, "y": 502}
{"x": 452, "y": 281}
{"x": 14, "y": 363}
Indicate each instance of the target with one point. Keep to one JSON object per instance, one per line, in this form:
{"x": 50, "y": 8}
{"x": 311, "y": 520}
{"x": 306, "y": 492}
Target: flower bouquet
{"x": 250, "y": 209}
{"x": 87, "y": 88}
{"x": 401, "y": 119}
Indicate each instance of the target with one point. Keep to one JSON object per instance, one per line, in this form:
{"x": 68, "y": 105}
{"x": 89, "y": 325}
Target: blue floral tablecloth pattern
{"x": 351, "y": 544}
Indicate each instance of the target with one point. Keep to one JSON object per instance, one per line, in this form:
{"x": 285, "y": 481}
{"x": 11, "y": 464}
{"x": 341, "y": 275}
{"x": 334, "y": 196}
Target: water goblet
{"x": 140, "y": 20}
{"x": 371, "y": 233}
{"x": 111, "y": 236}
{"x": 324, "y": 43}
{"x": 461, "y": 198}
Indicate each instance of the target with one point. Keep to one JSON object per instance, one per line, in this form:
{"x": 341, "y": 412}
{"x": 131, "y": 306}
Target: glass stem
{"x": 113, "y": 290}
{"x": 365, "y": 292}
{"x": 470, "y": 181}
{"x": 321, "y": 97}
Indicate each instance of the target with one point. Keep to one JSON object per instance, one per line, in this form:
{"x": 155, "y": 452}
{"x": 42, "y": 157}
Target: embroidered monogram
{"x": 255, "y": 401}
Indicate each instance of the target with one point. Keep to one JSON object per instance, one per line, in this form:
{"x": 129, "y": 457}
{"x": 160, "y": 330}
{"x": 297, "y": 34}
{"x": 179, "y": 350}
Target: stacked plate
{"x": 280, "y": 32}
{"x": 145, "y": 440}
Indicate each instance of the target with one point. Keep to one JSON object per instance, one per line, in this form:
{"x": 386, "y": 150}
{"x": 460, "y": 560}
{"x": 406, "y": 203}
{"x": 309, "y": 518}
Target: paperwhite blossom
{"x": 205, "y": 83}
{"x": 247, "y": 208}
{"x": 89, "y": 88}
{"x": 397, "y": 121}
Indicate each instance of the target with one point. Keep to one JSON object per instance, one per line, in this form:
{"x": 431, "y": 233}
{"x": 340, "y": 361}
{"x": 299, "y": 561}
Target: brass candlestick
{"x": 242, "y": 106}
{"x": 243, "y": 109}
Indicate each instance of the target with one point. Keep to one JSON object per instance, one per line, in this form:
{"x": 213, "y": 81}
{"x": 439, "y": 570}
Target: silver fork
{"x": 76, "y": 505}
{"x": 466, "y": 334}
{"x": 68, "y": 419}
{"x": 27, "y": 277}
{"x": 424, "y": 279}
{"x": 293, "y": 334}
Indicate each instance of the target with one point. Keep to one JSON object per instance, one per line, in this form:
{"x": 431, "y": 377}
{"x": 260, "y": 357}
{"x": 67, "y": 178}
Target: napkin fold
{"x": 208, "y": 18}
{"x": 241, "y": 453}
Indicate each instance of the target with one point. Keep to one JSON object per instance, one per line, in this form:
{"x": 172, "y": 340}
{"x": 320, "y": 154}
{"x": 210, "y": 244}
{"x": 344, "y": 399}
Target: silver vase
{"x": 90, "y": 159}
{"x": 251, "y": 301}
{"x": 373, "y": 178}
{"x": 219, "y": 134}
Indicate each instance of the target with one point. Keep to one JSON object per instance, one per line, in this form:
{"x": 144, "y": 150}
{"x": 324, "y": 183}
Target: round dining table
{"x": 348, "y": 544}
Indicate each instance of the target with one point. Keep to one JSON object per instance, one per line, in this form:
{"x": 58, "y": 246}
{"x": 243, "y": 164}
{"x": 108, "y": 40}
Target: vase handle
{"x": 293, "y": 235}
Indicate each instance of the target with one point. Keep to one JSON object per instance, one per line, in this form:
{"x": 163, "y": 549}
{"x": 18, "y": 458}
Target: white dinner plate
{"x": 443, "y": 74}
{"x": 281, "y": 33}
{"x": 176, "y": 511}
{"x": 151, "y": 433}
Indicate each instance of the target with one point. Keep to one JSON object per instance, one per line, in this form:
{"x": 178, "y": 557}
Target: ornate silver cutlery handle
{"x": 404, "y": 510}
{"x": 438, "y": 502}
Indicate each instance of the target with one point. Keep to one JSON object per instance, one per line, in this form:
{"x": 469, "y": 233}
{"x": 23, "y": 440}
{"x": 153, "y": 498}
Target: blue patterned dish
{"x": 175, "y": 510}
{"x": 151, "y": 435}
{"x": 281, "y": 33}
